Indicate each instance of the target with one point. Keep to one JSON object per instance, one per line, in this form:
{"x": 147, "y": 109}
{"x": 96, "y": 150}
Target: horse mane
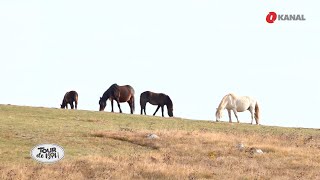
{"x": 224, "y": 102}
{"x": 169, "y": 101}
{"x": 113, "y": 88}
{"x": 233, "y": 95}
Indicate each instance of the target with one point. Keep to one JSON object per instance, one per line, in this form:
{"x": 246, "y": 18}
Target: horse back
{"x": 71, "y": 96}
{"x": 153, "y": 98}
{"x": 243, "y": 103}
{"x": 125, "y": 93}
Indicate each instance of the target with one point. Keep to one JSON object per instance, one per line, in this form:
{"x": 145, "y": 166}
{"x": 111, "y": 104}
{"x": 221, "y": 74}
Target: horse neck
{"x": 113, "y": 87}
{"x": 64, "y": 102}
{"x": 168, "y": 102}
{"x": 106, "y": 95}
{"x": 65, "y": 98}
{"x": 223, "y": 102}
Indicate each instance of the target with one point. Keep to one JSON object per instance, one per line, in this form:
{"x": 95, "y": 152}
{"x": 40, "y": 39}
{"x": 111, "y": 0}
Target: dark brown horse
{"x": 159, "y": 99}
{"x": 120, "y": 94}
{"x": 69, "y": 98}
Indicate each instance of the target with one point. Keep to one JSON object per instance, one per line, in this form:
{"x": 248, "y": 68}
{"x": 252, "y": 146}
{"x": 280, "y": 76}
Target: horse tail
{"x": 257, "y": 113}
{"x": 132, "y": 100}
{"x": 142, "y": 98}
{"x": 76, "y": 97}
{"x": 133, "y": 106}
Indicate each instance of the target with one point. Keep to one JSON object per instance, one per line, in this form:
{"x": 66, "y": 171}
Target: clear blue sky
{"x": 195, "y": 51}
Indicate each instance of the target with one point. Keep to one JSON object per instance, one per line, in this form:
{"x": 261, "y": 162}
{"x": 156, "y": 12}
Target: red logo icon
{"x": 271, "y": 17}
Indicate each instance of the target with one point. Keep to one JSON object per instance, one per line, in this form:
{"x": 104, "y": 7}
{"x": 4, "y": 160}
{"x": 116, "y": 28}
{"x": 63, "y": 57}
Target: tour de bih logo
{"x": 47, "y": 153}
{"x": 272, "y": 17}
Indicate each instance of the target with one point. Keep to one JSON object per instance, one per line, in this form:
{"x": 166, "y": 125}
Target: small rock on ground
{"x": 152, "y": 136}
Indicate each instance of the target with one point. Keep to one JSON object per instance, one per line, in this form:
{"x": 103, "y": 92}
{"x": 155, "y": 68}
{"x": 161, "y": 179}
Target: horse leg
{"x": 71, "y": 104}
{"x": 251, "y": 111}
{"x": 162, "y": 111}
{"x": 119, "y": 106}
{"x": 111, "y": 105}
{"x": 235, "y": 114}
{"x": 76, "y": 104}
{"x": 143, "y": 108}
{"x": 229, "y": 113}
{"x": 130, "y": 105}
{"x": 156, "y": 110}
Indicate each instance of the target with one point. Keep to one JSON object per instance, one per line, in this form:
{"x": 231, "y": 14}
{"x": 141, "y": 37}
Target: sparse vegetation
{"x": 101, "y": 145}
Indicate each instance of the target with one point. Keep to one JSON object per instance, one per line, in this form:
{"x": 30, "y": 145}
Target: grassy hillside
{"x": 101, "y": 145}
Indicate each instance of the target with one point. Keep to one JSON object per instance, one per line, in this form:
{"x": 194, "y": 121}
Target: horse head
{"x": 218, "y": 114}
{"x": 63, "y": 105}
{"x": 102, "y": 104}
{"x": 170, "y": 112}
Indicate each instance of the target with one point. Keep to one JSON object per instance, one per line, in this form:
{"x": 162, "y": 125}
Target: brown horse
{"x": 120, "y": 94}
{"x": 69, "y": 98}
{"x": 159, "y": 99}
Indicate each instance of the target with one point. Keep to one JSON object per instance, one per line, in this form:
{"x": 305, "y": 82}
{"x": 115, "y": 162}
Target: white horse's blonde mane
{"x": 224, "y": 102}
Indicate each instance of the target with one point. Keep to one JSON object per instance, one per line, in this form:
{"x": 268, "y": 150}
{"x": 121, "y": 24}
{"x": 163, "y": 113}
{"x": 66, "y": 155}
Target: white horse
{"x": 238, "y": 104}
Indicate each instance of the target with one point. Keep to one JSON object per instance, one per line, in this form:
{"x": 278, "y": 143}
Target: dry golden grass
{"x": 187, "y": 151}
{"x": 184, "y": 155}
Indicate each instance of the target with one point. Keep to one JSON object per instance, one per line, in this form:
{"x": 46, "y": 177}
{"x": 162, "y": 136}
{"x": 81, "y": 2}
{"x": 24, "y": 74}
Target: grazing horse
{"x": 120, "y": 94}
{"x": 238, "y": 104}
{"x": 69, "y": 98}
{"x": 159, "y": 99}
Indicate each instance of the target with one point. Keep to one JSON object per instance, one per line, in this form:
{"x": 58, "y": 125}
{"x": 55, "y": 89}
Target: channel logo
{"x": 272, "y": 17}
{"x": 47, "y": 153}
